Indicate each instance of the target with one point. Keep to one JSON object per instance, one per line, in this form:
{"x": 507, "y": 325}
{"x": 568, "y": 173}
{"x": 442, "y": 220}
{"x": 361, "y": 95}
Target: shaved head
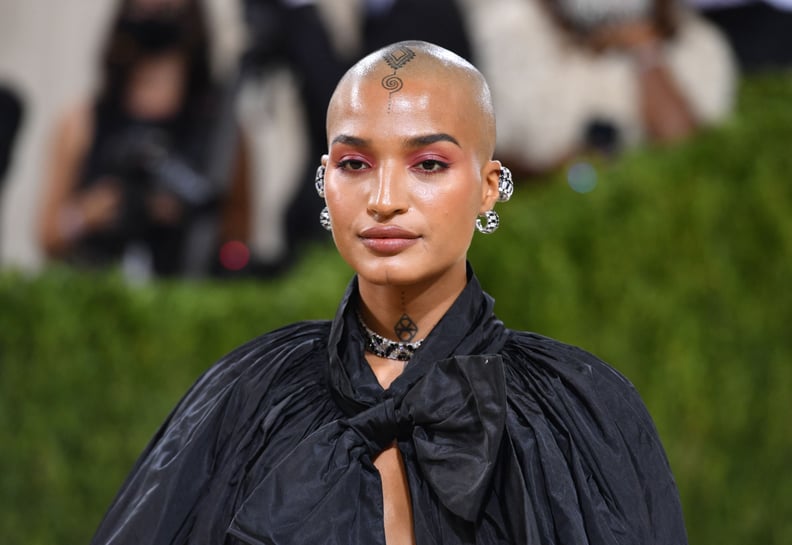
{"x": 411, "y": 133}
{"x": 410, "y": 64}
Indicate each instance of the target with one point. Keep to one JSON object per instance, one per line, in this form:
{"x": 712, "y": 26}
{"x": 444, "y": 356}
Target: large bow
{"x": 455, "y": 414}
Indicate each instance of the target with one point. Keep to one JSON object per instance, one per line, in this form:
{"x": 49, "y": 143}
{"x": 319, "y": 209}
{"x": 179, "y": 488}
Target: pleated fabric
{"x": 507, "y": 437}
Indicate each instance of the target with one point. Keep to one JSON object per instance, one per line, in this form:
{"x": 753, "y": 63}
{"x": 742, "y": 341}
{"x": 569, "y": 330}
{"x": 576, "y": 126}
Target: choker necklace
{"x": 386, "y": 348}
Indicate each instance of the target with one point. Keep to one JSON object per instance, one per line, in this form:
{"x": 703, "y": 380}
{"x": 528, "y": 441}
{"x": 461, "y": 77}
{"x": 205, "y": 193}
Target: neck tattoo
{"x": 386, "y": 348}
{"x": 405, "y": 328}
{"x": 396, "y": 58}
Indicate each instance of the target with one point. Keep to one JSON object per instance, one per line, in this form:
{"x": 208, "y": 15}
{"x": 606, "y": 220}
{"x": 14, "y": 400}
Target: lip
{"x": 388, "y": 239}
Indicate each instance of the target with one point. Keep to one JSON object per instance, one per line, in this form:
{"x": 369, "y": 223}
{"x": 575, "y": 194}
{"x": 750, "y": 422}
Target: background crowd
{"x": 187, "y": 156}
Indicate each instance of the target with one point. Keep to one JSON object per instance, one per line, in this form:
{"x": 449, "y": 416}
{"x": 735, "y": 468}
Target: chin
{"x": 401, "y": 270}
{"x": 387, "y": 271}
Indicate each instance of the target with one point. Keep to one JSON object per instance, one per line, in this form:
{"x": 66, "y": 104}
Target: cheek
{"x": 335, "y": 201}
{"x": 457, "y": 206}
{"x": 339, "y": 219}
{"x": 345, "y": 211}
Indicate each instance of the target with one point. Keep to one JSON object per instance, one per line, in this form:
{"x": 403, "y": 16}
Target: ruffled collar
{"x": 469, "y": 327}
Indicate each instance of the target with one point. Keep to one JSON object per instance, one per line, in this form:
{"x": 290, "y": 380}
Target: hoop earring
{"x": 319, "y": 181}
{"x": 505, "y": 185}
{"x": 324, "y": 219}
{"x": 492, "y": 219}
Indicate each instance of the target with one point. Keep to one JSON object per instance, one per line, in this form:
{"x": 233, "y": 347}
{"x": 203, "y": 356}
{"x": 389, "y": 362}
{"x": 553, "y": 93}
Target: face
{"x": 156, "y": 87}
{"x": 406, "y": 176}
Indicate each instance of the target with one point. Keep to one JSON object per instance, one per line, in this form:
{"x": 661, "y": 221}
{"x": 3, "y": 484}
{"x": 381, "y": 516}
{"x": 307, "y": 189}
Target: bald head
{"x": 408, "y": 65}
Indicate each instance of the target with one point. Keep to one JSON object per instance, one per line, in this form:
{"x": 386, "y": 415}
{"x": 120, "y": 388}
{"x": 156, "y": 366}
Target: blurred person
{"x": 415, "y": 416}
{"x": 139, "y": 176}
{"x": 758, "y": 30}
{"x": 574, "y": 76}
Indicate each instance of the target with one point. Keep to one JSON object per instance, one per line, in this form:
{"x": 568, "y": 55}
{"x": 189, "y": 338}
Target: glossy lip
{"x": 388, "y": 239}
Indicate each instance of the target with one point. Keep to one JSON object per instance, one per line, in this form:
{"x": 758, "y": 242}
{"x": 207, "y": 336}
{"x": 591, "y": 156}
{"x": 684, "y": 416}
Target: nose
{"x": 389, "y": 195}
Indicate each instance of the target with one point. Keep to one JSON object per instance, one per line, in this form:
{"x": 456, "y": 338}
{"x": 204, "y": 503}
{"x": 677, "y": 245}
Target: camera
{"x": 143, "y": 160}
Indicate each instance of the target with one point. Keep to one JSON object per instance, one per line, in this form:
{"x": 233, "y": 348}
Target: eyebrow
{"x": 350, "y": 141}
{"x": 413, "y": 142}
{"x": 425, "y": 140}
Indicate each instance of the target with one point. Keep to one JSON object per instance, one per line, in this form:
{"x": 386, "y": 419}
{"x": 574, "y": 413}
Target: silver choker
{"x": 386, "y": 348}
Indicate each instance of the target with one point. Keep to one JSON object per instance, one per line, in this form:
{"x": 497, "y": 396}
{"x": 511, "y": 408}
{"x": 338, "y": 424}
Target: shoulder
{"x": 289, "y": 345}
{"x": 279, "y": 359}
{"x": 251, "y": 378}
{"x": 259, "y": 396}
{"x": 581, "y": 426}
{"x": 296, "y": 333}
{"x": 532, "y": 349}
{"x": 77, "y": 117}
{"x": 75, "y": 125}
{"x": 551, "y": 371}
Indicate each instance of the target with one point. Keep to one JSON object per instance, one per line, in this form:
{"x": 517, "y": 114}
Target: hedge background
{"x": 675, "y": 268}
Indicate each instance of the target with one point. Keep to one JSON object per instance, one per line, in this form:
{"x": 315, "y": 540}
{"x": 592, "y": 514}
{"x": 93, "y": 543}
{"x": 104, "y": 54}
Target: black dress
{"x": 507, "y": 437}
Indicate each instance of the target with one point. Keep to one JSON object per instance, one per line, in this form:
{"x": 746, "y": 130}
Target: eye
{"x": 352, "y": 164}
{"x": 432, "y": 165}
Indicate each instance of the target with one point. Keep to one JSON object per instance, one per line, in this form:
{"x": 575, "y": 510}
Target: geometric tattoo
{"x": 405, "y": 329}
{"x": 396, "y": 58}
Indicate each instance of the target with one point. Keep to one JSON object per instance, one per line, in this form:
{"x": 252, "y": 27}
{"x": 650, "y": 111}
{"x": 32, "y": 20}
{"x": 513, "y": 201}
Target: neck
{"x": 424, "y": 303}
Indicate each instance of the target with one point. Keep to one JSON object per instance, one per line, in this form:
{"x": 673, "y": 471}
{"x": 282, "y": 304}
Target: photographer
{"x": 138, "y": 177}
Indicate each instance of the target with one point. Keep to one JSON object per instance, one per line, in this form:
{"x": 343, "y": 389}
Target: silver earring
{"x": 493, "y": 221}
{"x": 319, "y": 180}
{"x": 505, "y": 185}
{"x": 324, "y": 219}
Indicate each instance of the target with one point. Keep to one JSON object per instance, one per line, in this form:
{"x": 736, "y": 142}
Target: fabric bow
{"x": 455, "y": 415}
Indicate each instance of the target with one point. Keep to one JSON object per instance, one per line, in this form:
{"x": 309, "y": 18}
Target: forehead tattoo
{"x": 396, "y": 58}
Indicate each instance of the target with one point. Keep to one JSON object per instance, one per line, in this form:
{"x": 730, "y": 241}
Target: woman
{"x": 414, "y": 416}
{"x": 136, "y": 174}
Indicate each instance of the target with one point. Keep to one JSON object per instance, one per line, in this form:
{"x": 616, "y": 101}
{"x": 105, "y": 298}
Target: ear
{"x": 489, "y": 187}
{"x": 324, "y": 159}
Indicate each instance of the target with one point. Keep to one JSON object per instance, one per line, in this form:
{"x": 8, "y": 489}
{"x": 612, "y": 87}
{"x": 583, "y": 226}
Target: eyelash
{"x": 346, "y": 164}
{"x": 436, "y": 166}
{"x": 428, "y": 166}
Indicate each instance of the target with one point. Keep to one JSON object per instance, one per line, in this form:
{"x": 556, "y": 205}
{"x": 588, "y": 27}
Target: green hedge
{"x": 675, "y": 268}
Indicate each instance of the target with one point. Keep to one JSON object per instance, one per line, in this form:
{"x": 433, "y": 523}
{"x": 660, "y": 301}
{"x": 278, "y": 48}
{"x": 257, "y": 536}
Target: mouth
{"x": 388, "y": 239}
